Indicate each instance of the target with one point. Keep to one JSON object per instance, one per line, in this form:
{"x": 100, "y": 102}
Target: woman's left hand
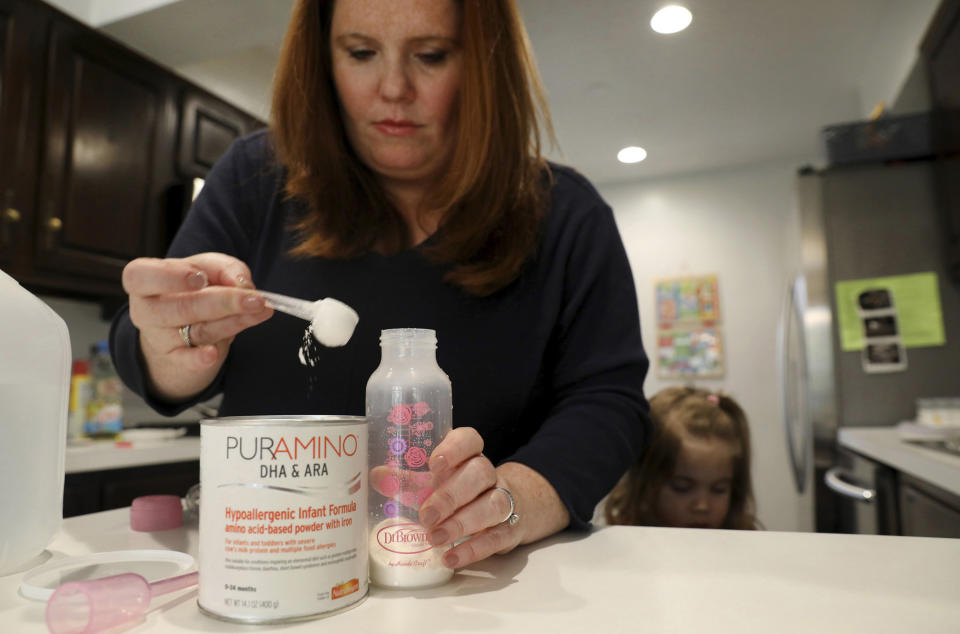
{"x": 466, "y": 501}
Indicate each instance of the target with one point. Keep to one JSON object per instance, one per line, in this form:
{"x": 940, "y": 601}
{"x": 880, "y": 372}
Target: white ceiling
{"x": 749, "y": 81}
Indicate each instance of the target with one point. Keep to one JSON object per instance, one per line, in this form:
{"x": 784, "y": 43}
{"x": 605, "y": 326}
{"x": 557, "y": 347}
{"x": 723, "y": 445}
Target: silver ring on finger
{"x": 185, "y": 335}
{"x": 512, "y": 517}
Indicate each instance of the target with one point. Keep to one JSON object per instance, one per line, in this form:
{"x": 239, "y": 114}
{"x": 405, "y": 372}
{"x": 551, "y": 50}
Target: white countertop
{"x": 105, "y": 454}
{"x": 883, "y": 444}
{"x": 616, "y": 579}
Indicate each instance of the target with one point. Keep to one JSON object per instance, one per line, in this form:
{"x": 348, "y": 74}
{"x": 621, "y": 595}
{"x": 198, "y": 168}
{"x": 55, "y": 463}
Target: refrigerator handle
{"x": 793, "y": 416}
{"x": 834, "y": 481}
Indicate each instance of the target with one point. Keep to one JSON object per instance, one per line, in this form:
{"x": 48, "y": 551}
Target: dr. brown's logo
{"x": 404, "y": 539}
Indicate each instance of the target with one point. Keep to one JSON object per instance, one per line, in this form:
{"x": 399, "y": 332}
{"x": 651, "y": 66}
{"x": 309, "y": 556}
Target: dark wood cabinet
{"x": 207, "y": 128}
{"x": 22, "y": 38}
{"x": 98, "y": 149}
{"x": 109, "y": 117}
{"x": 94, "y": 491}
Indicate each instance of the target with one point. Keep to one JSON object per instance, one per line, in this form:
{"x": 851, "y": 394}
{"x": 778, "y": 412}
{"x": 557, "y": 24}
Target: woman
{"x": 402, "y": 175}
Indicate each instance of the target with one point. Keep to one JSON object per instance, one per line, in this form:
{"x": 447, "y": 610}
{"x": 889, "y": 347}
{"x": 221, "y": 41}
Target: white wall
{"x": 77, "y": 9}
{"x": 739, "y": 224}
{"x": 243, "y": 78}
{"x": 106, "y": 11}
{"x": 895, "y": 47}
{"x": 915, "y": 93}
{"x": 98, "y": 12}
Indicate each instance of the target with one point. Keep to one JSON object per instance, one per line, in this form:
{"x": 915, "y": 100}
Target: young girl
{"x": 696, "y": 471}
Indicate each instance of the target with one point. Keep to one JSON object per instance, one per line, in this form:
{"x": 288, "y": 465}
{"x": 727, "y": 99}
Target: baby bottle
{"x": 409, "y": 406}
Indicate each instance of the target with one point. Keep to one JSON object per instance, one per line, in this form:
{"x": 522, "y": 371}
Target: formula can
{"x": 283, "y": 517}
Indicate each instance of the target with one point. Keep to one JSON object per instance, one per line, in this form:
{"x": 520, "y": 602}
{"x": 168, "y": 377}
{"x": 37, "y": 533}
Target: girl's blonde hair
{"x": 678, "y": 413}
{"x": 494, "y": 194}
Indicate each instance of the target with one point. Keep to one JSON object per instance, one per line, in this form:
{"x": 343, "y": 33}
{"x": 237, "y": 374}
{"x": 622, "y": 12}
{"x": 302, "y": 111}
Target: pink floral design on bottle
{"x": 400, "y": 414}
{"x": 408, "y": 440}
{"x": 390, "y": 485}
{"x": 421, "y": 409}
{"x": 422, "y": 427}
{"x": 415, "y": 457}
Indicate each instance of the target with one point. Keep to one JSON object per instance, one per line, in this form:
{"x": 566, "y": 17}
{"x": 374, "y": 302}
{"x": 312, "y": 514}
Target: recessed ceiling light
{"x": 632, "y": 154}
{"x": 671, "y": 19}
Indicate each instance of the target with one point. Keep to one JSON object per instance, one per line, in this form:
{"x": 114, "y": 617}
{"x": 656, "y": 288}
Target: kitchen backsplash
{"x": 86, "y": 328}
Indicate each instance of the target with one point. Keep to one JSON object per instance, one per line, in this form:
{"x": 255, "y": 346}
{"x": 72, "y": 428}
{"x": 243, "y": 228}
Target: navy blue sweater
{"x": 549, "y": 370}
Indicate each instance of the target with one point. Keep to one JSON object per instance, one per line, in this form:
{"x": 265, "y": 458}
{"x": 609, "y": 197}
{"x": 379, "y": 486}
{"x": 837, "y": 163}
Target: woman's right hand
{"x": 210, "y": 292}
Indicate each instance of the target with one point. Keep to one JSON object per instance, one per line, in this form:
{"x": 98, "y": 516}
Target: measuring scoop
{"x": 332, "y": 321}
{"x": 86, "y": 607}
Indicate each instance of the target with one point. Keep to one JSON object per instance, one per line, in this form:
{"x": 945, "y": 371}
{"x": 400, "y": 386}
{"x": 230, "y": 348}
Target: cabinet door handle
{"x": 53, "y": 225}
{"x": 9, "y": 218}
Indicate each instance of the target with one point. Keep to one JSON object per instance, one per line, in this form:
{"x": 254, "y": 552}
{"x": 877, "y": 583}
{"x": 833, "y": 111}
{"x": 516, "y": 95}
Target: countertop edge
{"x": 883, "y": 444}
{"x": 105, "y": 455}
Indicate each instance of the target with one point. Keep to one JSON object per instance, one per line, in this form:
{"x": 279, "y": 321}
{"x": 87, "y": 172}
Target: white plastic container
{"x": 34, "y": 394}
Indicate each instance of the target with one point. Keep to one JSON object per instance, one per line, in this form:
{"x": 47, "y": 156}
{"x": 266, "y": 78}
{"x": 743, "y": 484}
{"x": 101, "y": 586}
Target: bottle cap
{"x": 156, "y": 513}
{"x": 80, "y": 367}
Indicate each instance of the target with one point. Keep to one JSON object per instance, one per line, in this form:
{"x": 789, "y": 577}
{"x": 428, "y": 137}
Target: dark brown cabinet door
{"x": 99, "y": 197}
{"x": 97, "y": 148}
{"x": 22, "y": 36}
{"x": 94, "y": 491}
{"x": 207, "y": 128}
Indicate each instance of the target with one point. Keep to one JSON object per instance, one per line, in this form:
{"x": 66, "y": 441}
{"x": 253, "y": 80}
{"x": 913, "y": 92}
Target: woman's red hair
{"x": 491, "y": 199}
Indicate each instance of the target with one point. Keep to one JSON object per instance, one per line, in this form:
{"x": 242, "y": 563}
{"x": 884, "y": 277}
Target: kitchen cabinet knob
{"x": 54, "y": 224}
{"x": 11, "y": 215}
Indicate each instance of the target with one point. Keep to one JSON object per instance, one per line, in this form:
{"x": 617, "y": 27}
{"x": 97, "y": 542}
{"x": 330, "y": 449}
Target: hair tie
{"x": 713, "y": 398}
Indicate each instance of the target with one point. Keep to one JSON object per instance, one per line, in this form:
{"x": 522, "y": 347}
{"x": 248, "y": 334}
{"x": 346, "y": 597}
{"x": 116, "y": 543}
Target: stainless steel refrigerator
{"x": 858, "y": 222}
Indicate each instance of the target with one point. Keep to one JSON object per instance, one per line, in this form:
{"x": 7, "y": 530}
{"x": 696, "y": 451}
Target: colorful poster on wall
{"x": 689, "y": 340}
{"x": 690, "y": 353}
{"x": 687, "y": 300}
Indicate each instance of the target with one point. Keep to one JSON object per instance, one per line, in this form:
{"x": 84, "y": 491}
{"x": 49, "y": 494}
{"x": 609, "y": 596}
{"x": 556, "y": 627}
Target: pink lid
{"x": 156, "y": 513}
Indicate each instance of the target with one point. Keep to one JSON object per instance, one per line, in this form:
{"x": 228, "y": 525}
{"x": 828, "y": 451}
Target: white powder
{"x": 309, "y": 352}
{"x": 392, "y": 569}
{"x": 333, "y": 322}
{"x": 332, "y": 326}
